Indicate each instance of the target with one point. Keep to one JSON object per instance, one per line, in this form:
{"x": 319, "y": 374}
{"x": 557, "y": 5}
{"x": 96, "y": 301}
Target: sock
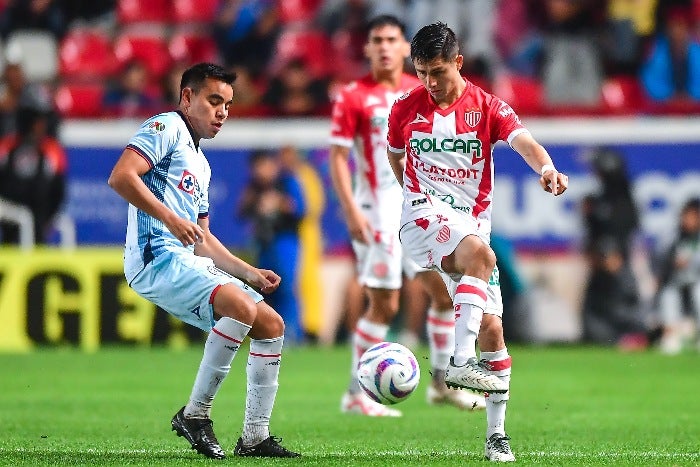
{"x": 440, "y": 327}
{"x": 221, "y": 346}
{"x": 470, "y": 302}
{"x": 263, "y": 371}
{"x": 365, "y": 336}
{"x": 499, "y": 364}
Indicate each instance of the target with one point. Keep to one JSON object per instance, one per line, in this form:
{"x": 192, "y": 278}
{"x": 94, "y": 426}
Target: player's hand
{"x": 359, "y": 227}
{"x": 187, "y": 232}
{"x": 554, "y": 182}
{"x": 264, "y": 279}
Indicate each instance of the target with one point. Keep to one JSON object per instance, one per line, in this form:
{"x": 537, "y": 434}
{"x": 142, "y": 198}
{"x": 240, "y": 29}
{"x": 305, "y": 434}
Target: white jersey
{"x": 179, "y": 177}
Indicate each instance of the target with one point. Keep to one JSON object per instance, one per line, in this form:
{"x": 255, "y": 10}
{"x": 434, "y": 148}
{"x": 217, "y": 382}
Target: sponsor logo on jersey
{"x": 470, "y": 146}
{"x": 420, "y": 119}
{"x": 188, "y": 182}
{"x": 446, "y": 174}
{"x": 472, "y": 118}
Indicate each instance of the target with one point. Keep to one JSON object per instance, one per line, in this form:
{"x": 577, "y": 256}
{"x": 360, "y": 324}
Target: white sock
{"x": 470, "y": 302}
{"x": 440, "y": 327}
{"x": 499, "y": 363}
{"x": 221, "y": 346}
{"x": 263, "y": 371}
{"x": 365, "y": 336}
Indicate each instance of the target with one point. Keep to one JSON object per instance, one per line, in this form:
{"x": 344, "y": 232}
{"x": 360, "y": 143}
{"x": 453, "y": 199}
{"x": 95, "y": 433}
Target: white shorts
{"x": 436, "y": 235}
{"x": 381, "y": 263}
{"x": 183, "y": 284}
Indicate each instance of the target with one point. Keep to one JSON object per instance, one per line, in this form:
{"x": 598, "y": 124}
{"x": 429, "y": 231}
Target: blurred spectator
{"x": 572, "y": 67}
{"x": 517, "y": 35}
{"x": 87, "y": 10}
{"x": 32, "y": 173}
{"x": 170, "y": 85}
{"x": 248, "y": 92}
{"x": 612, "y": 307}
{"x": 15, "y": 91}
{"x": 629, "y": 24}
{"x": 246, "y": 32}
{"x": 274, "y": 202}
{"x": 45, "y": 15}
{"x": 310, "y": 236}
{"x": 679, "y": 280}
{"x": 345, "y": 22}
{"x": 129, "y": 96}
{"x": 294, "y": 92}
{"x": 672, "y": 68}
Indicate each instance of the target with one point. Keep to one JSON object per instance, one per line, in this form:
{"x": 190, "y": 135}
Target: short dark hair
{"x": 433, "y": 41}
{"x": 385, "y": 20}
{"x": 195, "y": 75}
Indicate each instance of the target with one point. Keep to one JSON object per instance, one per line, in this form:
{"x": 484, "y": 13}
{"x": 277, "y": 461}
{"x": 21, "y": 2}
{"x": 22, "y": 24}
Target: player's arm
{"x": 341, "y": 177}
{"x": 211, "y": 247}
{"x": 397, "y": 161}
{"x": 539, "y": 160}
{"x": 126, "y": 180}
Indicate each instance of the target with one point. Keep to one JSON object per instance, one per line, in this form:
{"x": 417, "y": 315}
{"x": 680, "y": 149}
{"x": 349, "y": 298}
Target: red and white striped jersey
{"x": 359, "y": 121}
{"x": 449, "y": 151}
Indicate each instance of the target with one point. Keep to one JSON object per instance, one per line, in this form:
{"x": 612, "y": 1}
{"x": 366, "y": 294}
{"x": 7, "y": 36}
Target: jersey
{"x": 359, "y": 120}
{"x": 179, "y": 177}
{"x": 449, "y": 151}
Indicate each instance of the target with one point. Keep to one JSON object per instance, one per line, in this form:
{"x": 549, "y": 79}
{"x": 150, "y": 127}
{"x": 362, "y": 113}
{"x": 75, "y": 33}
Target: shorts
{"x": 381, "y": 263}
{"x": 183, "y": 284}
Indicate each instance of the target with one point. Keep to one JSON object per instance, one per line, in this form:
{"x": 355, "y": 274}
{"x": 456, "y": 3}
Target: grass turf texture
{"x": 570, "y": 406}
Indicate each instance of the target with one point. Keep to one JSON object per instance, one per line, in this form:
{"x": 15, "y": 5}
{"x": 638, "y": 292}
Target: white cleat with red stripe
{"x": 473, "y": 376}
{"x": 359, "y": 403}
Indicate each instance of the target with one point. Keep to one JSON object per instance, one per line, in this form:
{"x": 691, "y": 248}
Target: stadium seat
{"x": 138, "y": 11}
{"x": 36, "y": 51}
{"x": 523, "y": 94}
{"x": 622, "y": 95}
{"x": 192, "y": 48}
{"x": 79, "y": 100}
{"x": 150, "y": 49}
{"x": 194, "y": 11}
{"x": 311, "y": 46}
{"x": 86, "y": 54}
{"x": 298, "y": 10}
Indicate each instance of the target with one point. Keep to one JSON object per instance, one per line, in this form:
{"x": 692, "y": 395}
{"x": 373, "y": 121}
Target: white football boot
{"x": 473, "y": 376}
{"x": 497, "y": 449}
{"x": 463, "y": 400}
{"x": 359, "y": 403}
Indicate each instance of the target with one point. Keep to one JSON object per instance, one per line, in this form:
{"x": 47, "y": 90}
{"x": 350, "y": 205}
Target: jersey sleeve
{"x": 155, "y": 139}
{"x": 395, "y": 140}
{"x": 507, "y": 123}
{"x": 344, "y": 120}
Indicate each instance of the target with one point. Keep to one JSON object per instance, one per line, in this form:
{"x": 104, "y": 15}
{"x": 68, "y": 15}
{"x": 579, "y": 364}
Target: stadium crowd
{"x": 113, "y": 58}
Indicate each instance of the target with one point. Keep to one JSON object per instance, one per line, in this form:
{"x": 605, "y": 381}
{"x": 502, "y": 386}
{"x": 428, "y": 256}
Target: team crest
{"x": 157, "y": 126}
{"x": 473, "y": 117}
{"x": 443, "y": 235}
{"x": 187, "y": 182}
{"x": 380, "y": 269}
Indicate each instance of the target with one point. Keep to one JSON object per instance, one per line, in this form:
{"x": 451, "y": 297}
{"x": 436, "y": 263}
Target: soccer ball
{"x": 388, "y": 372}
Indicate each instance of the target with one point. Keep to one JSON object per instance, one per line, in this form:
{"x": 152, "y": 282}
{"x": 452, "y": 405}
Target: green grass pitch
{"x": 569, "y": 406}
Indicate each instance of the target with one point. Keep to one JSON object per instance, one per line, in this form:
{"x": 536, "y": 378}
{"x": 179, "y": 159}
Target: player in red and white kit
{"x": 372, "y": 213}
{"x": 440, "y": 144}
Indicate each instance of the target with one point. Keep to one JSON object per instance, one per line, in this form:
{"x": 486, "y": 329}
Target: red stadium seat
{"x": 523, "y": 94}
{"x": 194, "y": 11}
{"x": 311, "y": 46}
{"x": 298, "y": 10}
{"x": 151, "y": 50}
{"x": 139, "y": 11}
{"x": 623, "y": 95}
{"x": 79, "y": 100}
{"x": 86, "y": 54}
{"x": 192, "y": 48}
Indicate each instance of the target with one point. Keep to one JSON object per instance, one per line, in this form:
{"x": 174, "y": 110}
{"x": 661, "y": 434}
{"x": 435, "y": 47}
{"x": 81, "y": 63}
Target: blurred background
{"x": 610, "y": 87}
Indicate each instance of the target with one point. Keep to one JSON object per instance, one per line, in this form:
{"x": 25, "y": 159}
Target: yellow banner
{"x": 78, "y": 298}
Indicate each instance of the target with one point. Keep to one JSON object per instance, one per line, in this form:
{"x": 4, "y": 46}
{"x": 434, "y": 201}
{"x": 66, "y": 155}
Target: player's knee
{"x": 275, "y": 325}
{"x": 244, "y": 311}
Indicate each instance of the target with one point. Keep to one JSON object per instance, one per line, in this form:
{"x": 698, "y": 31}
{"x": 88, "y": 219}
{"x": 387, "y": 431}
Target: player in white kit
{"x": 172, "y": 259}
{"x": 372, "y": 213}
{"x": 440, "y": 144}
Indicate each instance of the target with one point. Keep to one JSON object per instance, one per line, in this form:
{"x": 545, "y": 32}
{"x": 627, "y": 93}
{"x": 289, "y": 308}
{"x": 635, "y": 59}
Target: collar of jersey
{"x": 190, "y": 129}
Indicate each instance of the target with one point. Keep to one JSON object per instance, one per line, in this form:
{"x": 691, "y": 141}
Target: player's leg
{"x": 379, "y": 270}
{"x": 266, "y": 341}
{"x": 414, "y": 304}
{"x": 495, "y": 358}
{"x": 440, "y": 329}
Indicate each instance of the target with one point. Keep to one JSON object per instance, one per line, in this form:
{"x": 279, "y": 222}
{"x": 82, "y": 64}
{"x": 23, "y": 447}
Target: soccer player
{"x": 172, "y": 259}
{"x": 440, "y": 143}
{"x": 372, "y": 214}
